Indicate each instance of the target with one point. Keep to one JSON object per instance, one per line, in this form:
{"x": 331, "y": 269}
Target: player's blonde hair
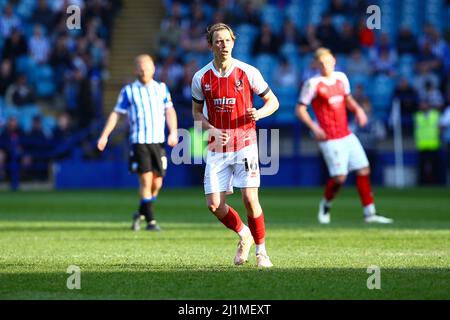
{"x": 144, "y": 57}
{"x": 216, "y": 27}
{"x": 322, "y": 52}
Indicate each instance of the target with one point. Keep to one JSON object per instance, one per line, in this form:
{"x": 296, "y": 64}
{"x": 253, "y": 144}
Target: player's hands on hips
{"x": 172, "y": 139}
{"x": 101, "y": 143}
{"x": 220, "y": 137}
{"x": 253, "y": 114}
{"x": 361, "y": 117}
{"x": 318, "y": 132}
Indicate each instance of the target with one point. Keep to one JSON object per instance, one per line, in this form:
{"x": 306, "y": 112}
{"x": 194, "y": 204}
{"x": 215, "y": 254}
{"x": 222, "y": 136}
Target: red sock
{"x": 331, "y": 189}
{"x": 232, "y": 220}
{"x": 257, "y": 228}
{"x": 364, "y": 189}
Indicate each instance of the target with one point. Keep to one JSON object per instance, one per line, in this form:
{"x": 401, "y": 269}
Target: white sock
{"x": 261, "y": 248}
{"x": 245, "y": 232}
{"x": 369, "y": 210}
{"x": 326, "y": 202}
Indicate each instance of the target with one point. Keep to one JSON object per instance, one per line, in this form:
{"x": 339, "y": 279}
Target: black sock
{"x": 146, "y": 210}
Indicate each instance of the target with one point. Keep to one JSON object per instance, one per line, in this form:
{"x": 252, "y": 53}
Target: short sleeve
{"x": 167, "y": 97}
{"x": 258, "y": 84}
{"x": 307, "y": 93}
{"x": 123, "y": 102}
{"x": 344, "y": 79}
{"x": 196, "y": 89}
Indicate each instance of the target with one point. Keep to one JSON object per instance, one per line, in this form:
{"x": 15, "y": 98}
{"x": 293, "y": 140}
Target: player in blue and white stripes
{"x": 148, "y": 105}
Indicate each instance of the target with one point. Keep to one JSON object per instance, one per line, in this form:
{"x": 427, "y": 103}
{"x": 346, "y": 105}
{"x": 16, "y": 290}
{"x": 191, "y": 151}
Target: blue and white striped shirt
{"x": 145, "y": 106}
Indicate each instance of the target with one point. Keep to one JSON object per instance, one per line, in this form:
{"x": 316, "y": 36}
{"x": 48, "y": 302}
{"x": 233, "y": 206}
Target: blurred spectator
{"x": 198, "y": 17}
{"x": 432, "y": 38}
{"x": 39, "y": 46}
{"x": 409, "y": 101}
{"x": 445, "y": 127}
{"x": 177, "y": 16}
{"x": 60, "y": 60}
{"x": 384, "y": 63}
{"x": 439, "y": 47}
{"x": 43, "y": 15}
{"x": 309, "y": 41}
{"x": 12, "y": 151}
{"x": 249, "y": 14}
{"x": 348, "y": 40}
{"x": 36, "y": 147}
{"x": 194, "y": 40}
{"x": 358, "y": 7}
{"x": 8, "y": 21}
{"x": 339, "y": 7}
{"x": 384, "y": 54}
{"x": 290, "y": 35}
{"x": 100, "y": 11}
{"x": 432, "y": 94}
{"x": 169, "y": 35}
{"x": 406, "y": 42}
{"x": 360, "y": 96}
{"x": 426, "y": 133}
{"x": 170, "y": 72}
{"x": 6, "y": 76}
{"x": 285, "y": 74}
{"x": 366, "y": 35}
{"x": 423, "y": 76}
{"x": 266, "y": 42}
{"x": 327, "y": 34}
{"x": 357, "y": 64}
{"x": 427, "y": 60}
{"x": 20, "y": 93}
{"x": 15, "y": 45}
{"x": 62, "y": 137}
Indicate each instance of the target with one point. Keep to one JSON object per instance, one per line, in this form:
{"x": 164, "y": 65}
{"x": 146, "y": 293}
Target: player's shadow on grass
{"x": 227, "y": 282}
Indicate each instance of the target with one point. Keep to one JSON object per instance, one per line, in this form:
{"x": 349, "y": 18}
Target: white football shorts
{"x": 343, "y": 155}
{"x": 225, "y": 170}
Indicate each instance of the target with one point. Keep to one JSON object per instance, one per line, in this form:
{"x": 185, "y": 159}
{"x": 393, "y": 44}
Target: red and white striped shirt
{"x": 327, "y": 96}
{"x": 226, "y": 100}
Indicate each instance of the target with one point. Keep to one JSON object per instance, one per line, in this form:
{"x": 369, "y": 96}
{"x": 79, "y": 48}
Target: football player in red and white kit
{"x": 330, "y": 97}
{"x": 222, "y": 99}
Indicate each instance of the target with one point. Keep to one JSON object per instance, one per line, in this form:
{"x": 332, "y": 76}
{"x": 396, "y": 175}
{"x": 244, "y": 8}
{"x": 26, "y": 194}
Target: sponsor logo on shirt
{"x": 336, "y": 99}
{"x": 224, "y": 103}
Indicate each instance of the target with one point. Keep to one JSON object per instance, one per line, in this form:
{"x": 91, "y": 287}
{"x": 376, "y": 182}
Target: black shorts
{"x": 148, "y": 157}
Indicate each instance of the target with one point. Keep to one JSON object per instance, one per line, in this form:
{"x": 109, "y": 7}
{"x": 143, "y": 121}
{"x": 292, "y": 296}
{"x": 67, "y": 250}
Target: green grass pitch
{"x": 42, "y": 233}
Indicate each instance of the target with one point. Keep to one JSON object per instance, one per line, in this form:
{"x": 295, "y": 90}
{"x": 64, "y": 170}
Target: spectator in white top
{"x": 8, "y": 21}
{"x": 39, "y": 46}
{"x": 432, "y": 94}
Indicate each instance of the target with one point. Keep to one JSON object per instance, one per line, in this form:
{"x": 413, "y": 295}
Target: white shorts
{"x": 225, "y": 170}
{"x": 343, "y": 155}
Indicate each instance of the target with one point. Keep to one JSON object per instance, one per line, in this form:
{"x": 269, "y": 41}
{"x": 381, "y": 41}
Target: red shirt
{"x": 226, "y": 100}
{"x": 327, "y": 97}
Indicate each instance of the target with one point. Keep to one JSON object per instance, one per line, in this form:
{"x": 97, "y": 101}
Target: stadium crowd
{"x": 408, "y": 59}
{"x": 50, "y": 80}
{"x": 42, "y": 61}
